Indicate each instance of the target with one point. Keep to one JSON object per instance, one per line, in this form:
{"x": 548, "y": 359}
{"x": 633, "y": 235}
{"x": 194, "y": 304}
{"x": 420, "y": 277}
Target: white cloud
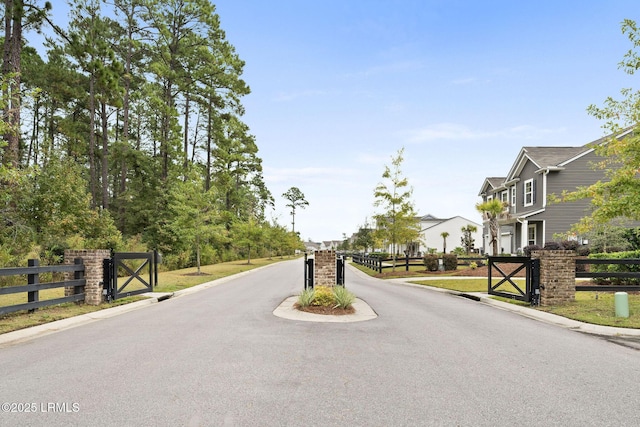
{"x": 307, "y": 174}
{"x": 285, "y": 97}
{"x": 391, "y": 68}
{"x": 454, "y": 131}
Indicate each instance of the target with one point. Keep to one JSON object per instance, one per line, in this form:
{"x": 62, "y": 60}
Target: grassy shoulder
{"x": 590, "y": 307}
{"x": 168, "y": 281}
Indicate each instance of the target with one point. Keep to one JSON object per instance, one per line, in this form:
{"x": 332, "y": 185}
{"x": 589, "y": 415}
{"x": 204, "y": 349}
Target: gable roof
{"x": 444, "y": 222}
{"x": 491, "y": 183}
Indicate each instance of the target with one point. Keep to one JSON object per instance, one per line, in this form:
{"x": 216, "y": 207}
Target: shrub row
{"x": 449, "y": 262}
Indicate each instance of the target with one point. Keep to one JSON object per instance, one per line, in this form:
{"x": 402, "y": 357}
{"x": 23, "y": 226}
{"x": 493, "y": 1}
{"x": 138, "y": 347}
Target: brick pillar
{"x": 557, "y": 276}
{"x": 325, "y": 268}
{"x": 93, "y": 272}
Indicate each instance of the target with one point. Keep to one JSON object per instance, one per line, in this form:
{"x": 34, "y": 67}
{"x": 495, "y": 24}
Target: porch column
{"x": 524, "y": 234}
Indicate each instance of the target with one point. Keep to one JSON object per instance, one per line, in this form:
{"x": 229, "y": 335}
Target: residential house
{"x": 537, "y": 172}
{"x": 431, "y": 229}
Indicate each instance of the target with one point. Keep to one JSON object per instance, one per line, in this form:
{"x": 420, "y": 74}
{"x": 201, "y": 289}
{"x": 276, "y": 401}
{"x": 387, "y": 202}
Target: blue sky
{"x": 339, "y": 86}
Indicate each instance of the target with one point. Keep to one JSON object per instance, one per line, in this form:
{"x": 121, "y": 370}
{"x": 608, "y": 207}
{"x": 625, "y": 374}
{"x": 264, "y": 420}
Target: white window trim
{"x": 530, "y": 182}
{"x": 513, "y": 196}
{"x": 504, "y": 196}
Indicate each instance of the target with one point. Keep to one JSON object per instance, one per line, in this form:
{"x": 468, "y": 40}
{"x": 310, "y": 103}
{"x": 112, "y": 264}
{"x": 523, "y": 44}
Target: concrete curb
{"x": 609, "y": 331}
{"x": 26, "y": 334}
{"x": 287, "y": 311}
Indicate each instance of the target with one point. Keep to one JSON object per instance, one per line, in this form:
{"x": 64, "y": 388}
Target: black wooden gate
{"x": 508, "y": 288}
{"x": 340, "y": 270}
{"x": 308, "y": 272}
{"x": 137, "y": 271}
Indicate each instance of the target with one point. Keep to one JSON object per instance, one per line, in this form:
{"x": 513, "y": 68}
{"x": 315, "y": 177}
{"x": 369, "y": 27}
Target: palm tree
{"x": 444, "y": 235}
{"x": 492, "y": 210}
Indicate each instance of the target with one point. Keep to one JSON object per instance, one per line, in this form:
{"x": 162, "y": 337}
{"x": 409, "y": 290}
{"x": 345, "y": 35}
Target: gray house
{"x": 536, "y": 173}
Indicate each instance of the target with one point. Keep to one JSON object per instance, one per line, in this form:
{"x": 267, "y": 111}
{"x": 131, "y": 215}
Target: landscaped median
{"x": 168, "y": 282}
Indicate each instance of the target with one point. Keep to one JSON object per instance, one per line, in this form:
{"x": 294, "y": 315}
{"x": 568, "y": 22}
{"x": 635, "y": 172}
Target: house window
{"x": 529, "y": 192}
{"x": 489, "y": 197}
{"x": 504, "y": 196}
{"x": 531, "y": 235}
{"x": 513, "y": 196}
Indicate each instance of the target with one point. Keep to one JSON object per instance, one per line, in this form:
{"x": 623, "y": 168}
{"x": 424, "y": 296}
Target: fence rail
{"x": 607, "y": 274}
{"x": 33, "y": 286}
{"x": 379, "y": 264}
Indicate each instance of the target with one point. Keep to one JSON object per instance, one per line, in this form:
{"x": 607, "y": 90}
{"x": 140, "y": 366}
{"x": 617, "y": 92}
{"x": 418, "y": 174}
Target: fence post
{"x": 33, "y": 279}
{"x": 93, "y": 272}
{"x": 78, "y": 275}
{"x": 406, "y": 263}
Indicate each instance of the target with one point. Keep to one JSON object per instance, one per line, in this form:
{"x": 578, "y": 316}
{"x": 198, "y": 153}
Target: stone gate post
{"x": 557, "y": 276}
{"x": 93, "y": 272}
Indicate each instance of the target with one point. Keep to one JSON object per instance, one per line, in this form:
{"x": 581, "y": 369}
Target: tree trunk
{"x": 11, "y": 67}
{"x": 105, "y": 155}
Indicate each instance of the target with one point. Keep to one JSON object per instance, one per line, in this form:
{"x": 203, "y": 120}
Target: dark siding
{"x": 561, "y": 216}
{"x": 528, "y": 172}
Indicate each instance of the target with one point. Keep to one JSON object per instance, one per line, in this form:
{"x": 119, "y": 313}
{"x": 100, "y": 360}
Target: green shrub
{"x": 324, "y": 297}
{"x": 306, "y": 297}
{"x": 450, "y": 262}
{"x": 616, "y": 268}
{"x": 430, "y": 262}
{"x": 473, "y": 265}
{"x": 343, "y": 298}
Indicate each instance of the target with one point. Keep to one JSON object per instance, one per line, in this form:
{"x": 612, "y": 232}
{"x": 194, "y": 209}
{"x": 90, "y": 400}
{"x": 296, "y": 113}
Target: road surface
{"x": 220, "y": 357}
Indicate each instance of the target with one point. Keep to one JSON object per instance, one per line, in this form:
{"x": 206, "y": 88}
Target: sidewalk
{"x": 608, "y": 331}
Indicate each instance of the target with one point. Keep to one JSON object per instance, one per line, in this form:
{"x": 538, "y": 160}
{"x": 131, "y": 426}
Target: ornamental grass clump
{"x": 343, "y": 298}
{"x": 306, "y": 297}
{"x": 331, "y": 297}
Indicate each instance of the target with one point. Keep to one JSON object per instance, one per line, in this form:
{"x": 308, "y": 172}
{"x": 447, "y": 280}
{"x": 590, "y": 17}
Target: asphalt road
{"x": 220, "y": 357}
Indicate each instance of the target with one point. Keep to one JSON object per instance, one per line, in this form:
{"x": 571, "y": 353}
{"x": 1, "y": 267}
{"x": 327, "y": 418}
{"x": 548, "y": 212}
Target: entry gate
{"x": 137, "y": 271}
{"x": 506, "y": 287}
{"x": 308, "y": 272}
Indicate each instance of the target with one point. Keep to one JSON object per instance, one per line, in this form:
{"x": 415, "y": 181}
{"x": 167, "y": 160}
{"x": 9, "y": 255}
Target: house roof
{"x": 429, "y": 217}
{"x": 491, "y": 183}
{"x": 444, "y": 221}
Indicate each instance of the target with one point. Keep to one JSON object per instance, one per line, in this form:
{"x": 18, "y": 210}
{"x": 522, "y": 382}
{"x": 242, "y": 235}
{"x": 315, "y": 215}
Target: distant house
{"x": 431, "y": 229}
{"x": 322, "y": 246}
{"x": 312, "y": 246}
{"x": 536, "y": 173}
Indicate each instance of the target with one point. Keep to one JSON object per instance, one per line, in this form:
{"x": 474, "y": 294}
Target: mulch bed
{"x": 325, "y": 310}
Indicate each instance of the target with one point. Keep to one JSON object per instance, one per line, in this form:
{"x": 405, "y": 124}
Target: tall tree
{"x": 397, "y": 223}
{"x": 18, "y": 17}
{"x": 296, "y": 200}
{"x": 618, "y": 196}
{"x": 90, "y": 40}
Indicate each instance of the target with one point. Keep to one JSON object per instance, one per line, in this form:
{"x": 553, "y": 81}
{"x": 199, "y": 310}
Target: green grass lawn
{"x": 589, "y": 307}
{"x": 168, "y": 281}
